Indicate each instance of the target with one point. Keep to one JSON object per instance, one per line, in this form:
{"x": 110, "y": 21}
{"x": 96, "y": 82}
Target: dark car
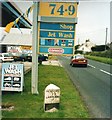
{"x": 43, "y": 57}
{"x": 78, "y": 59}
{"x": 20, "y": 57}
{"x": 28, "y": 57}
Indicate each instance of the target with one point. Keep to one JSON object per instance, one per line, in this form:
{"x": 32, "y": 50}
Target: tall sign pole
{"x": 34, "y": 85}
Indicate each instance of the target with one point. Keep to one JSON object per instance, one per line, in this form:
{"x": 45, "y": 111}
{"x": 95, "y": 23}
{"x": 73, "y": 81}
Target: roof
{"x": 17, "y": 39}
{"x": 9, "y": 12}
{"x": 84, "y": 48}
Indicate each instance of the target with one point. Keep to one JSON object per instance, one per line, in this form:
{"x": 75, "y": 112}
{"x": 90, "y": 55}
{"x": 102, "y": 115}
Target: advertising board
{"x": 57, "y": 27}
{"x": 56, "y": 38}
{"x": 59, "y": 9}
{"x": 12, "y": 77}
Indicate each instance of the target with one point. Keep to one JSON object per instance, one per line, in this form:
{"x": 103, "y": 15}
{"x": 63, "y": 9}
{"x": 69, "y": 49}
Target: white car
{"x": 5, "y": 57}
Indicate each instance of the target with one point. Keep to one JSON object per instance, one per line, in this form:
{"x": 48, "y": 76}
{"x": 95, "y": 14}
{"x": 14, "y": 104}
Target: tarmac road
{"x": 93, "y": 84}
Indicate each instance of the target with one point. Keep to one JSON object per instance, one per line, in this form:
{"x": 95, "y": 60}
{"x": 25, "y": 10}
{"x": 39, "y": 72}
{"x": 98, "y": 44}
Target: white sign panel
{"x": 12, "y": 77}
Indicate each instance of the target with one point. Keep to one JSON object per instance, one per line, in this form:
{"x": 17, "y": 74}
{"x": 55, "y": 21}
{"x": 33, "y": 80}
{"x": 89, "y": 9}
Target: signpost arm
{"x": 34, "y": 85}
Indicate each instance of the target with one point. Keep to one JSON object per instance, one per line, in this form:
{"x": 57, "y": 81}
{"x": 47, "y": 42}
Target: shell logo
{"x": 56, "y": 50}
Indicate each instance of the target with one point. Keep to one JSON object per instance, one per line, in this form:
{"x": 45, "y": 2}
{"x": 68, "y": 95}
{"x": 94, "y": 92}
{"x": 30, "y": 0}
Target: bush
{"x": 100, "y": 48}
{"x": 107, "y": 54}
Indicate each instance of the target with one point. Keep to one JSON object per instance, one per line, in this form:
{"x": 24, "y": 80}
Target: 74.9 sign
{"x": 58, "y": 9}
{"x": 61, "y": 10}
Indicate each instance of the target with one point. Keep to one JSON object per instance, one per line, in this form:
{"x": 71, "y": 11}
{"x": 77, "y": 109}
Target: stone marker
{"x": 51, "y": 98}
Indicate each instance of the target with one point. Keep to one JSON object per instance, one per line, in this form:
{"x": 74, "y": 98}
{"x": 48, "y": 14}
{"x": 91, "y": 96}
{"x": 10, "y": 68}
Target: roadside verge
{"x": 26, "y": 105}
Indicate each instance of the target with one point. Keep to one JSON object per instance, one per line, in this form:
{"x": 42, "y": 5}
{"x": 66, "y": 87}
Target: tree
{"x": 100, "y": 48}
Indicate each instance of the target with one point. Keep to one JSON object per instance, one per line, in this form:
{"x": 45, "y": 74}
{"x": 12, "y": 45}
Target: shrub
{"x": 107, "y": 54}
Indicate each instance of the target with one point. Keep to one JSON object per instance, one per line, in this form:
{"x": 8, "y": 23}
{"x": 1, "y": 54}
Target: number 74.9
{"x": 61, "y": 10}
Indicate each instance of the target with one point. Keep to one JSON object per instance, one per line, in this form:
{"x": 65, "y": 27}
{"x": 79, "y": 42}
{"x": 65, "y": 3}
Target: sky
{"x": 93, "y": 19}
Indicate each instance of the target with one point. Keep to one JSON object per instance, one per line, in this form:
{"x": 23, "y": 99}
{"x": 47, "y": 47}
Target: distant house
{"x": 86, "y": 47}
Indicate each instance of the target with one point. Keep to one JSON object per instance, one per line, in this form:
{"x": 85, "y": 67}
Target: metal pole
{"x": 34, "y": 85}
{"x": 106, "y": 38}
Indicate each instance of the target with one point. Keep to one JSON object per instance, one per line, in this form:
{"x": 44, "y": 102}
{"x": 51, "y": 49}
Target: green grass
{"x": 100, "y": 59}
{"x": 27, "y": 105}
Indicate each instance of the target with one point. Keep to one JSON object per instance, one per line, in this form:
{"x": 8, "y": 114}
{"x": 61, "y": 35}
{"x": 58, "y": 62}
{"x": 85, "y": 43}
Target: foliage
{"x": 100, "y": 59}
{"x": 99, "y": 48}
{"x": 76, "y": 47}
{"x": 107, "y": 54}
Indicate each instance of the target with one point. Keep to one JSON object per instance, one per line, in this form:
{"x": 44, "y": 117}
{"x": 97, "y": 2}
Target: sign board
{"x": 12, "y": 77}
{"x": 59, "y": 9}
{"x": 25, "y": 47}
{"x": 57, "y": 36}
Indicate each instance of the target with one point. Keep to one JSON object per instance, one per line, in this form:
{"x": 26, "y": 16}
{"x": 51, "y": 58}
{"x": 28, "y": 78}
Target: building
{"x": 15, "y": 41}
{"x": 86, "y": 47}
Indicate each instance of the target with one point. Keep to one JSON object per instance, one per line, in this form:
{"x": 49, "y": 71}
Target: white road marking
{"x": 100, "y": 70}
{"x": 91, "y": 66}
{"x": 105, "y": 72}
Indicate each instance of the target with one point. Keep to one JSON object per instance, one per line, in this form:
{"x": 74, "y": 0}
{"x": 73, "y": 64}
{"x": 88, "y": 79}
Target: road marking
{"x": 105, "y": 72}
{"x": 91, "y": 66}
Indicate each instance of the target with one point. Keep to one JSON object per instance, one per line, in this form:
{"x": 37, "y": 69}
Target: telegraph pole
{"x": 34, "y": 85}
{"x": 106, "y": 38}
{"x": 78, "y": 41}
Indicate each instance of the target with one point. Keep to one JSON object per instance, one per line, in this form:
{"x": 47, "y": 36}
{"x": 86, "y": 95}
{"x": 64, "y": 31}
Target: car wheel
{"x": 86, "y": 65}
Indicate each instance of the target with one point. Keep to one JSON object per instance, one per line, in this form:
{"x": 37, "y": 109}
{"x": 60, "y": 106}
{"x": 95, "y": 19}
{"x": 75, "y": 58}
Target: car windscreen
{"x": 79, "y": 57}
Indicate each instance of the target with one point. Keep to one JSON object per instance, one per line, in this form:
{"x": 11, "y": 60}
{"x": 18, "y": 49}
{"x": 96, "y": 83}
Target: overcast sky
{"x": 93, "y": 19}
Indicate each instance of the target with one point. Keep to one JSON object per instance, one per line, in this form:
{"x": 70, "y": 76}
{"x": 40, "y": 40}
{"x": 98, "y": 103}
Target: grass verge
{"x": 100, "y": 59}
{"x": 27, "y": 105}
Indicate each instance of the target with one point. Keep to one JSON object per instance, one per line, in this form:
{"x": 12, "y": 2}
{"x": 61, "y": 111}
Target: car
{"x": 6, "y": 57}
{"x": 28, "y": 57}
{"x": 20, "y": 57}
{"x": 78, "y": 59}
{"x": 43, "y": 57}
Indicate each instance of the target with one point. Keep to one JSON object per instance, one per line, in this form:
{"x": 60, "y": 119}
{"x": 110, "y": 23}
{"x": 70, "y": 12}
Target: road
{"x": 93, "y": 84}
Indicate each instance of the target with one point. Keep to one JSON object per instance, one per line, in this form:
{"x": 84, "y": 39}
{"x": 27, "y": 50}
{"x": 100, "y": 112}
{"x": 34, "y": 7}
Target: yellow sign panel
{"x": 58, "y": 9}
{"x": 26, "y": 48}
